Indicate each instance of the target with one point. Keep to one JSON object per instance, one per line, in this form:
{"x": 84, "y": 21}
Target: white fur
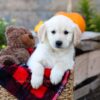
{"x": 48, "y": 55}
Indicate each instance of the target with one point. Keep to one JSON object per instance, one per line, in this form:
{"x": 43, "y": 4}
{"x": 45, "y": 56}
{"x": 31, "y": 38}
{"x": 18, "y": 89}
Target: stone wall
{"x": 29, "y": 12}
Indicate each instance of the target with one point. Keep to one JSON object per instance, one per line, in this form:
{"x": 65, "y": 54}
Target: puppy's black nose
{"x": 58, "y": 44}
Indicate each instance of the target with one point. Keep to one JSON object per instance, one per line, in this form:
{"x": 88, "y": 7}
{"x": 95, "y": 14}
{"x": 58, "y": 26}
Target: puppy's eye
{"x": 66, "y": 32}
{"x": 53, "y": 32}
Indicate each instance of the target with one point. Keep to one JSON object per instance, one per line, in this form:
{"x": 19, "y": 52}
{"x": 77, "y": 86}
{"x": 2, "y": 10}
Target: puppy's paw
{"x": 36, "y": 81}
{"x": 56, "y": 76}
{"x": 70, "y": 65}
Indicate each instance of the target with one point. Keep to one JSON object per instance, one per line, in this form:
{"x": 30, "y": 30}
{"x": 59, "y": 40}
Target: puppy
{"x": 57, "y": 36}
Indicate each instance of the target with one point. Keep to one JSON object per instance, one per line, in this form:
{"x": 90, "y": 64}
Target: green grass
{"x": 3, "y": 25}
{"x": 87, "y": 9}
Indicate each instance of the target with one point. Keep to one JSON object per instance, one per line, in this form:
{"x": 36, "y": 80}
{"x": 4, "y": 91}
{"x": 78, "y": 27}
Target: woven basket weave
{"x": 67, "y": 93}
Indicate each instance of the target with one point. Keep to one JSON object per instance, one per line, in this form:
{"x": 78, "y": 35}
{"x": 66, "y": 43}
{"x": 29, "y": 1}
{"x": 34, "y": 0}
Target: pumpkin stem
{"x": 69, "y": 6}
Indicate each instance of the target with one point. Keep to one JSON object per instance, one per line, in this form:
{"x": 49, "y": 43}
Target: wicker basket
{"x": 67, "y": 93}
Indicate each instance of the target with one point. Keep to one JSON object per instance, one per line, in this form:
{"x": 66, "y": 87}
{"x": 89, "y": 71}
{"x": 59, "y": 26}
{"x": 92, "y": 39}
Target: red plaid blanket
{"x": 16, "y": 79}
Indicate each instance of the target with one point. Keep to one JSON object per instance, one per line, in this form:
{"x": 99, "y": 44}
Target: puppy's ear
{"x": 42, "y": 33}
{"x": 77, "y": 35}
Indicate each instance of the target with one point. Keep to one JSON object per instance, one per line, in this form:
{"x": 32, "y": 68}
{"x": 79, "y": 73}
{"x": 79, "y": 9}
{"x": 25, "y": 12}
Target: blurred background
{"x": 29, "y": 13}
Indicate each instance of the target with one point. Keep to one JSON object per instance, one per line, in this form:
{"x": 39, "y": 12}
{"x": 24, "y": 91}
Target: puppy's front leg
{"x": 37, "y": 75}
{"x": 57, "y": 74}
{"x": 59, "y": 70}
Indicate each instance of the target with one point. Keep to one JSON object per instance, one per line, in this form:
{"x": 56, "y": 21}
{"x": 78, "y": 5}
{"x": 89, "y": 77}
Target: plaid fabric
{"x": 16, "y": 79}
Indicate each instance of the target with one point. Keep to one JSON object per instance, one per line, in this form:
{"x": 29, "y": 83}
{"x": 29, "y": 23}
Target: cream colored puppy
{"x": 57, "y": 36}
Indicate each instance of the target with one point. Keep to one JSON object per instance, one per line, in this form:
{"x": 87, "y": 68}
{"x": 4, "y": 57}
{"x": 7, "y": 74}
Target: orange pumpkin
{"x": 76, "y": 17}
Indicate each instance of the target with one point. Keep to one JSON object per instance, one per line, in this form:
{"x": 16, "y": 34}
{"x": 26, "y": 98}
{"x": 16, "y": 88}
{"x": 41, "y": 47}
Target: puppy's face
{"x": 59, "y": 31}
